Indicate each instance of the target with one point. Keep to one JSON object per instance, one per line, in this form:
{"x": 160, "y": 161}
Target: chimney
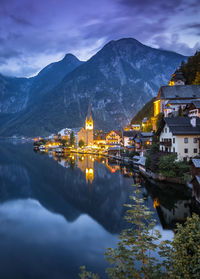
{"x": 193, "y": 121}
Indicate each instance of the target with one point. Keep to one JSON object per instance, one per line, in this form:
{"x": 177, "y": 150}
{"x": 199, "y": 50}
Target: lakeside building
{"x": 128, "y": 137}
{"x": 192, "y": 109}
{"x": 86, "y": 133}
{"x": 195, "y": 172}
{"x": 180, "y": 135}
{"x": 114, "y": 138}
{"x": 172, "y": 99}
{"x": 100, "y": 138}
{"x": 175, "y": 96}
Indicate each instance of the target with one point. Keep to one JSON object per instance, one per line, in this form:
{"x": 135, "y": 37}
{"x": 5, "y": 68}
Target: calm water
{"x": 58, "y": 214}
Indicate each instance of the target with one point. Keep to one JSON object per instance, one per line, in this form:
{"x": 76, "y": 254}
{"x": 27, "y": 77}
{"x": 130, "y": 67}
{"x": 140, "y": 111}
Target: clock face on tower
{"x": 89, "y": 124}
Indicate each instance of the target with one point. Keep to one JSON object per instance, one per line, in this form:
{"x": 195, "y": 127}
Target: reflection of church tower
{"x": 89, "y": 126}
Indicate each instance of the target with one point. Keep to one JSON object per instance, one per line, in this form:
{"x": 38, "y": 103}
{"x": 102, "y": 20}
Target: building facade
{"x": 180, "y": 135}
{"x": 86, "y": 133}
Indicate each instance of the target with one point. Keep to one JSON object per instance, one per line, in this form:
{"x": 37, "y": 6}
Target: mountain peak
{"x": 70, "y": 57}
{"x": 123, "y": 42}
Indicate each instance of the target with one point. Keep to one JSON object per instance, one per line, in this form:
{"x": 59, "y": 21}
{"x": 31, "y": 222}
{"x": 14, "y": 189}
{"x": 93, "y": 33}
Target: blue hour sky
{"x": 34, "y": 33}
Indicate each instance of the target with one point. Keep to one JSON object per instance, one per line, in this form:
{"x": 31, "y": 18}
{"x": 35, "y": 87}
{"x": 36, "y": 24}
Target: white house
{"x": 180, "y": 135}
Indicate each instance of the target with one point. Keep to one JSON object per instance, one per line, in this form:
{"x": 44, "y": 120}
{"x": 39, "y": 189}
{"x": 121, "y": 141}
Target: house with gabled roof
{"x": 114, "y": 138}
{"x": 180, "y": 135}
{"x": 180, "y": 93}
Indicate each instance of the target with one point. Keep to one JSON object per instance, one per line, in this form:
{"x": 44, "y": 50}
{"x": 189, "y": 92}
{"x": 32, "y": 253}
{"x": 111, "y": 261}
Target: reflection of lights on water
{"x": 89, "y": 174}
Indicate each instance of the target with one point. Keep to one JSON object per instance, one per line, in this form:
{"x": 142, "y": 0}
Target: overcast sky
{"x": 34, "y": 33}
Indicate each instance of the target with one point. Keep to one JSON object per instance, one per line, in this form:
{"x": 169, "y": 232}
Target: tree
{"x": 63, "y": 142}
{"x": 179, "y": 258}
{"x": 170, "y": 167}
{"x": 166, "y": 165}
{"x": 184, "y": 255}
{"x": 72, "y": 139}
{"x": 133, "y": 257}
{"x": 197, "y": 79}
{"x": 81, "y": 143}
{"x": 159, "y": 120}
{"x": 180, "y": 111}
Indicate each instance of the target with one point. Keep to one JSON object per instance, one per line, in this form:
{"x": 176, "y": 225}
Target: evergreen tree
{"x": 133, "y": 258}
{"x": 180, "y": 258}
{"x": 81, "y": 143}
{"x": 183, "y": 258}
{"x": 197, "y": 78}
{"x": 191, "y": 67}
{"x": 180, "y": 111}
{"x": 72, "y": 139}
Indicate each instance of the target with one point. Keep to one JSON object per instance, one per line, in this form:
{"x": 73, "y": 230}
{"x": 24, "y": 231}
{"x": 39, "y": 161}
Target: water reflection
{"x": 59, "y": 213}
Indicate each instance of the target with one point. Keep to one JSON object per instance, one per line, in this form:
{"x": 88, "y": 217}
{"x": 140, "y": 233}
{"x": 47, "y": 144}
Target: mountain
{"x": 119, "y": 80}
{"x": 20, "y": 95}
{"x": 146, "y": 111}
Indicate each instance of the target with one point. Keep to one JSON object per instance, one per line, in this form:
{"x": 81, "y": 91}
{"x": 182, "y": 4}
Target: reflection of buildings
{"x": 86, "y": 165}
{"x": 169, "y": 217}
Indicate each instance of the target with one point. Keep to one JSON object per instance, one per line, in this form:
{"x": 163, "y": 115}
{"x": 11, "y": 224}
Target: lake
{"x": 57, "y": 214}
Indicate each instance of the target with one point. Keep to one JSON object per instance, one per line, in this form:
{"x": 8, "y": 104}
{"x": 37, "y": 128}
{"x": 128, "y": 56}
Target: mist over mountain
{"x": 119, "y": 79}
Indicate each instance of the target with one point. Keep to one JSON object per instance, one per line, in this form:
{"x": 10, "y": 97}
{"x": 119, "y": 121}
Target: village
{"x": 168, "y": 151}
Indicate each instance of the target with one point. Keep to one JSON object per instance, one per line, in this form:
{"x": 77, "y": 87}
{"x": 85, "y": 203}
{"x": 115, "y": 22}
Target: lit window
{"x": 185, "y": 140}
{"x": 186, "y": 150}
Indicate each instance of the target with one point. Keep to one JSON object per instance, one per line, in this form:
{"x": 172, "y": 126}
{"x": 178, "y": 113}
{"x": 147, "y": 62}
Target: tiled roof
{"x": 196, "y": 163}
{"x": 147, "y": 134}
{"x": 179, "y": 91}
{"x": 182, "y": 125}
{"x": 129, "y": 133}
{"x": 181, "y": 102}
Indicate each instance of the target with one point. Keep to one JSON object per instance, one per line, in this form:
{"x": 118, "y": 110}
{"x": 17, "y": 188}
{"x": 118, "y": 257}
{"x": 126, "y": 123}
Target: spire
{"x": 89, "y": 113}
{"x": 89, "y": 120}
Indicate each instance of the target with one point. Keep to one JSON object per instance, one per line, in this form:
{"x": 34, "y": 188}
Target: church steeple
{"x": 177, "y": 78}
{"x": 89, "y": 121}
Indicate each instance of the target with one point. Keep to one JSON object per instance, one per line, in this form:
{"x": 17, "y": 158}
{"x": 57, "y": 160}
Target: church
{"x": 86, "y": 133}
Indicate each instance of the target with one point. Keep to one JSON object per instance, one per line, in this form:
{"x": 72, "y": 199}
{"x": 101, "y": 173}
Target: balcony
{"x": 166, "y": 142}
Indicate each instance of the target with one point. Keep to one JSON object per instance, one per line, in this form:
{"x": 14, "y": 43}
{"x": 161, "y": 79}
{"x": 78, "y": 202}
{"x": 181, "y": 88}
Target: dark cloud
{"x": 173, "y": 43}
{"x": 35, "y": 33}
{"x": 194, "y": 28}
{"x": 20, "y": 20}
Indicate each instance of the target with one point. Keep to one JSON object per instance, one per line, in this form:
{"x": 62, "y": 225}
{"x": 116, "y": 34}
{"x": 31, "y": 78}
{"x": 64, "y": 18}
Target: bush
{"x": 169, "y": 167}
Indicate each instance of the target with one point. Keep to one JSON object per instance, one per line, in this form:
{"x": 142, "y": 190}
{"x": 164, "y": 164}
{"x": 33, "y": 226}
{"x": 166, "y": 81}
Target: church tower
{"x": 177, "y": 78}
{"x": 89, "y": 126}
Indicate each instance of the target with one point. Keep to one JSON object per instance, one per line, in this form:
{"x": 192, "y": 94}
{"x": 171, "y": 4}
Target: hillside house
{"x": 180, "y": 135}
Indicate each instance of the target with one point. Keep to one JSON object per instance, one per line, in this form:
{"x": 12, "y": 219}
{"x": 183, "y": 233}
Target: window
{"x": 173, "y": 140}
{"x": 185, "y": 140}
{"x": 195, "y": 150}
{"x": 194, "y": 140}
{"x": 186, "y": 150}
{"x": 165, "y": 130}
{"x": 174, "y": 149}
